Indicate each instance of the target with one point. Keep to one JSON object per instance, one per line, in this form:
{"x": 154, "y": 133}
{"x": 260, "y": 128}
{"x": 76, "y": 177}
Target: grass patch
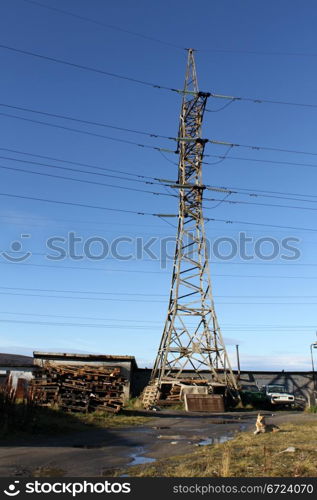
{"x": 134, "y": 404}
{"x": 20, "y": 420}
{"x": 103, "y": 419}
{"x": 312, "y": 409}
{"x": 245, "y": 456}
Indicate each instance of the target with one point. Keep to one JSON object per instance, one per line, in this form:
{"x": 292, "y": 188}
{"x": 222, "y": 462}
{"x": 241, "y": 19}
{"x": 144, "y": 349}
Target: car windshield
{"x": 250, "y": 388}
{"x": 277, "y": 388}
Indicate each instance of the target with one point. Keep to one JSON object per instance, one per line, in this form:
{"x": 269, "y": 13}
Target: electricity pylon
{"x": 192, "y": 338}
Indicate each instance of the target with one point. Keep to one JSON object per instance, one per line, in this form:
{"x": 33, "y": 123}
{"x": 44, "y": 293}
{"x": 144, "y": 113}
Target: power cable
{"x": 148, "y": 272}
{"x": 275, "y": 205}
{"x": 80, "y": 325}
{"x": 259, "y": 224}
{"x": 104, "y": 25}
{"x": 136, "y": 178}
{"x": 259, "y": 148}
{"x": 94, "y": 292}
{"x": 89, "y": 165}
{"x": 88, "y": 122}
{"x": 88, "y": 68}
{"x": 156, "y": 181}
{"x": 151, "y": 322}
{"x": 208, "y": 219}
{"x": 156, "y": 193}
{"x": 92, "y": 318}
{"x": 211, "y": 141}
{"x": 85, "y": 181}
{"x": 119, "y": 294}
{"x": 150, "y": 84}
{"x": 85, "y": 132}
{"x": 257, "y": 160}
{"x": 83, "y": 205}
{"x": 257, "y": 100}
{"x": 146, "y": 37}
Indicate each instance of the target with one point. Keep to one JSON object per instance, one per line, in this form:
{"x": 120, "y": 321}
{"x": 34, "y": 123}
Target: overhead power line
{"x": 88, "y": 122}
{"x": 104, "y": 326}
{"x": 61, "y": 160}
{"x": 241, "y": 202}
{"x": 161, "y": 149}
{"x": 259, "y": 52}
{"x": 259, "y": 148}
{"x": 141, "y": 271}
{"x": 80, "y": 325}
{"x": 258, "y": 160}
{"x": 87, "y": 68}
{"x": 120, "y": 294}
{"x": 63, "y": 291}
{"x": 149, "y": 322}
{"x": 105, "y": 25}
{"x": 82, "y": 205}
{"x": 65, "y": 297}
{"x": 251, "y": 191}
{"x": 92, "y": 318}
{"x": 137, "y": 178}
{"x": 231, "y": 99}
{"x": 208, "y": 219}
{"x": 154, "y": 181}
{"x": 148, "y": 146}
{"x": 257, "y": 100}
{"x": 86, "y": 132}
{"x": 93, "y": 292}
{"x": 260, "y": 224}
{"x": 167, "y": 43}
{"x": 85, "y": 181}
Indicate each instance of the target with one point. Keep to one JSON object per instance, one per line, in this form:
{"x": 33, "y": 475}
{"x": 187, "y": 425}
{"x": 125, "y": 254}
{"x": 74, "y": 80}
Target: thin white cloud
{"x": 287, "y": 362}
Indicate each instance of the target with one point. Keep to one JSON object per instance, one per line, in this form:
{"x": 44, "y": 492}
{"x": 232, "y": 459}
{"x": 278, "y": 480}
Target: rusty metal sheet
{"x": 210, "y": 403}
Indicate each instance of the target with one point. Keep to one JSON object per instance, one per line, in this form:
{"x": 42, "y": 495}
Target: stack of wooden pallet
{"x": 171, "y": 390}
{"x": 78, "y": 388}
{"x": 173, "y": 397}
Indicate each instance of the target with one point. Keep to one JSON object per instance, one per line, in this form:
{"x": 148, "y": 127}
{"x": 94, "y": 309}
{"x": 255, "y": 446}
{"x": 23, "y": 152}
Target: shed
{"x": 18, "y": 369}
{"x": 127, "y": 364}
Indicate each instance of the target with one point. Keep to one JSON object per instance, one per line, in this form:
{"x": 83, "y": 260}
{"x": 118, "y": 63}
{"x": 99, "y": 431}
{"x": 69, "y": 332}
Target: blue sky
{"x": 245, "y": 48}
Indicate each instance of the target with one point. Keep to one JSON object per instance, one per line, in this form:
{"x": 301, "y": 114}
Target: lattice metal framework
{"x": 192, "y": 338}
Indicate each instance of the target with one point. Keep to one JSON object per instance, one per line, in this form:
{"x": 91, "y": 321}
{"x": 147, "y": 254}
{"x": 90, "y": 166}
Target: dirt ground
{"x": 97, "y": 452}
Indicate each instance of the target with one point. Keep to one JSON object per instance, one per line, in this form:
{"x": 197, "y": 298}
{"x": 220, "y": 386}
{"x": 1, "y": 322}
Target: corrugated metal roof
{"x": 7, "y": 359}
{"x": 83, "y": 357}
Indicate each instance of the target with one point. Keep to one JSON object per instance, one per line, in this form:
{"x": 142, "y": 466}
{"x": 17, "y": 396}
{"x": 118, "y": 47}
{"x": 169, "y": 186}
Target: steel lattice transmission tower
{"x": 192, "y": 338}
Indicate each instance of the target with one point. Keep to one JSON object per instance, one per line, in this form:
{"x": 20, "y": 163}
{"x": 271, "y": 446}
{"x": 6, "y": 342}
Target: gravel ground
{"x": 97, "y": 451}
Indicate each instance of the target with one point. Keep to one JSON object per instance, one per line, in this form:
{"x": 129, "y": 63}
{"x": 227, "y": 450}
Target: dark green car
{"x": 251, "y": 395}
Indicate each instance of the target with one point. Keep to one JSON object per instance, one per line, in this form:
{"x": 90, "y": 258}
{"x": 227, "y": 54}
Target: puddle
{"x": 138, "y": 459}
{"x": 214, "y": 440}
{"x": 88, "y": 446}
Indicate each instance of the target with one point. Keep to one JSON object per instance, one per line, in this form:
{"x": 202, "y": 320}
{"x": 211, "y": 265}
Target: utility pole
{"x": 192, "y": 338}
{"x": 238, "y": 360}
{"x": 313, "y": 345}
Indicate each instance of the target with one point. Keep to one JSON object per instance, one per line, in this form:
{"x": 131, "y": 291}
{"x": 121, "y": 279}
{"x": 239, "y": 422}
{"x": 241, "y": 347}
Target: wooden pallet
{"x": 149, "y": 396}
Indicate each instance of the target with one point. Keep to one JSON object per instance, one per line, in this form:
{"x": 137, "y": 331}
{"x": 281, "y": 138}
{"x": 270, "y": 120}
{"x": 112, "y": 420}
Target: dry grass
{"x": 103, "y": 419}
{"x": 246, "y": 456}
